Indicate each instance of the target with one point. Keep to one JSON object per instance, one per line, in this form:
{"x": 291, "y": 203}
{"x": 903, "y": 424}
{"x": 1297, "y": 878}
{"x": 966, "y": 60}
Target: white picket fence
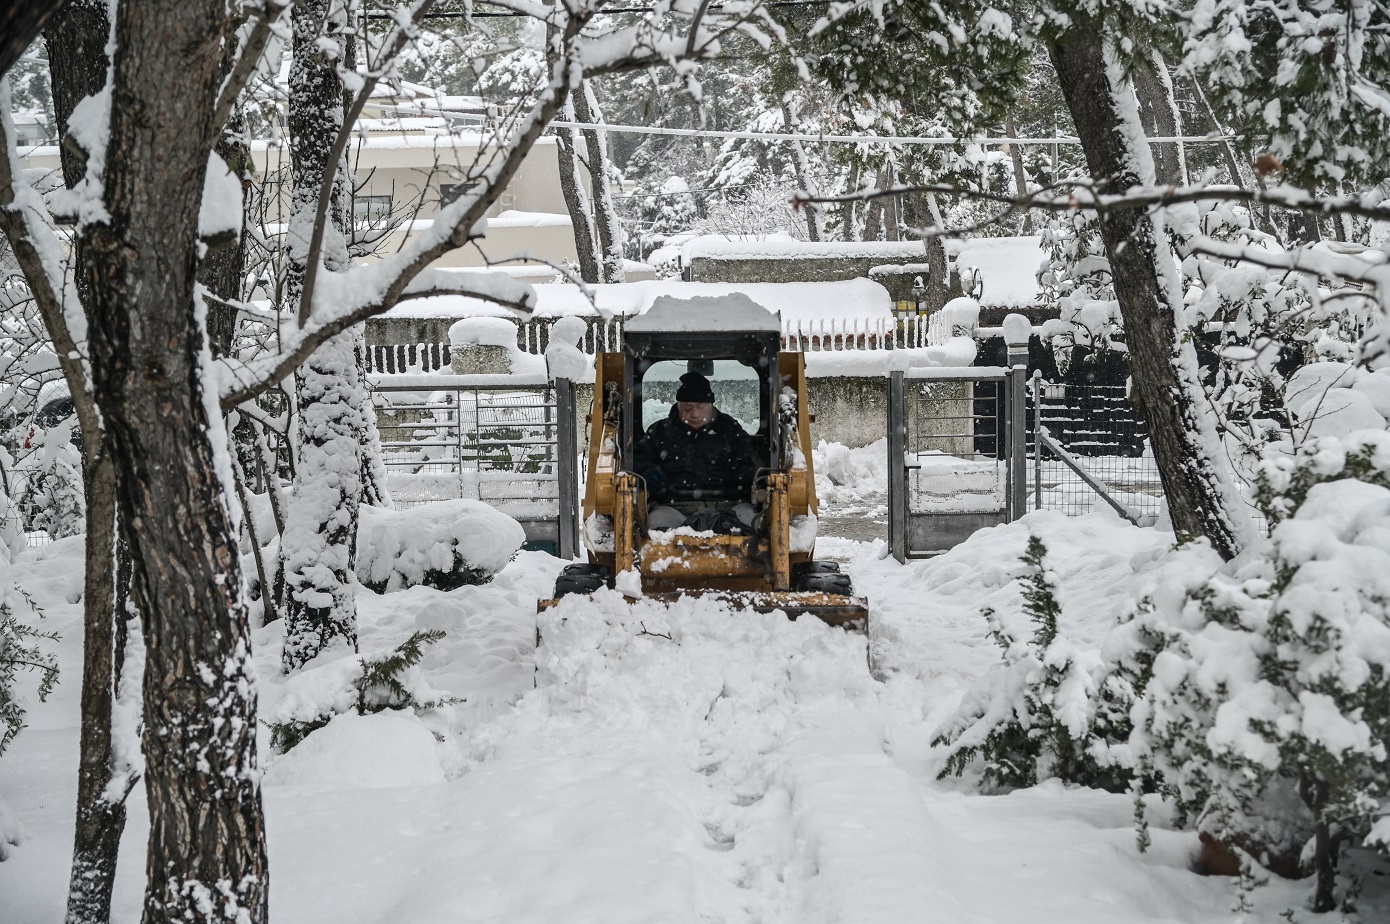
{"x": 606, "y": 335}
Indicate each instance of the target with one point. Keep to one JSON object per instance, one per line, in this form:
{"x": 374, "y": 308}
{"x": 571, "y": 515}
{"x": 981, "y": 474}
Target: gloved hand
{"x": 657, "y": 482}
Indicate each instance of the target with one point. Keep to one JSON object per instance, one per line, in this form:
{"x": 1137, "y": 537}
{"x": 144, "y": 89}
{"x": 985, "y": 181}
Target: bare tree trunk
{"x": 849, "y": 221}
{"x": 20, "y": 24}
{"x": 1020, "y": 177}
{"x": 222, "y": 269}
{"x": 610, "y": 249}
{"x": 576, "y": 201}
{"x": 1158, "y": 113}
{"x": 76, "y": 41}
{"x": 1196, "y": 481}
{"x": 207, "y": 850}
{"x": 891, "y": 223}
{"x": 874, "y": 219}
{"x": 803, "y": 174}
{"x": 318, "y": 549}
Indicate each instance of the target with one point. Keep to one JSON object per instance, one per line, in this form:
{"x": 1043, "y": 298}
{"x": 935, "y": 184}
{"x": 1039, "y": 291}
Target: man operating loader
{"x": 698, "y": 465}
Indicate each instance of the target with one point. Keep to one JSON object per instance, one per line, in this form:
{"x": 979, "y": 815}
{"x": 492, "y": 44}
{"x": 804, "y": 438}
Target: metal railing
{"x": 606, "y": 335}
{"x": 1093, "y": 452}
{"x": 957, "y": 445}
{"x": 507, "y": 441}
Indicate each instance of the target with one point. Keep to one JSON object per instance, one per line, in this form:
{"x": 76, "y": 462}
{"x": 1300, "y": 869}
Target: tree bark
{"x": 77, "y": 63}
{"x": 1163, "y": 368}
{"x": 76, "y": 39}
{"x": 576, "y": 202}
{"x": 222, "y": 270}
{"x": 319, "y": 545}
{"x": 1020, "y": 177}
{"x": 610, "y": 250}
{"x": 1158, "y": 113}
{"x": 207, "y": 849}
{"x": 20, "y": 24}
{"x": 849, "y": 221}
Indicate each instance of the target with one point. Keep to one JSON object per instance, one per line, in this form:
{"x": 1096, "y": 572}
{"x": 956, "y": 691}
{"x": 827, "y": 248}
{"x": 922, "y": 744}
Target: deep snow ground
{"x": 670, "y": 765}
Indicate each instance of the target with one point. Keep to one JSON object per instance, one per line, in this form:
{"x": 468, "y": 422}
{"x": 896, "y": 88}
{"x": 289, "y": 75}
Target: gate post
{"x": 1017, "y": 384}
{"x": 897, "y": 465}
{"x": 566, "y": 470}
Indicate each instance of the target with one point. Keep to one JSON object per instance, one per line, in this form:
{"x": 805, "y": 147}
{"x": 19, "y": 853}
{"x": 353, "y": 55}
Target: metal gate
{"x": 509, "y": 441}
{"x": 957, "y": 455}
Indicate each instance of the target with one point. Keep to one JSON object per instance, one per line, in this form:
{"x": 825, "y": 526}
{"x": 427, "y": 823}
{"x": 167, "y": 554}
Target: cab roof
{"x": 734, "y": 313}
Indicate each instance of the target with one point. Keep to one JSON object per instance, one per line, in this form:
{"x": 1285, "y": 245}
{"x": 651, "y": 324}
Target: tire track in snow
{"x": 769, "y": 730}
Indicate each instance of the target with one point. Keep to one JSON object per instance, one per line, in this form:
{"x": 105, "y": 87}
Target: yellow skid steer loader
{"x": 736, "y": 344}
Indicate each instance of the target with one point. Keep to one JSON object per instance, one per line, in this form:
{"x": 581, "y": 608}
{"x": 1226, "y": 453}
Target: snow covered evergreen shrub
{"x": 365, "y": 685}
{"x": 1046, "y": 711}
{"x": 22, "y": 649}
{"x": 1267, "y": 716}
{"x": 442, "y": 544}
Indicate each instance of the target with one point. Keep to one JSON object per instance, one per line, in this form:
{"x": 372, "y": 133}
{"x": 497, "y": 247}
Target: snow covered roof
{"x": 733, "y": 312}
{"x": 794, "y": 301}
{"x": 1008, "y": 267}
{"x": 783, "y": 248}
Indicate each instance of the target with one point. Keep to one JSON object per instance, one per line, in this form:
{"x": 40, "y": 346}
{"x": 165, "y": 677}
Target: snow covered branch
{"x": 244, "y": 380}
{"x": 25, "y": 220}
{"x": 1073, "y": 195}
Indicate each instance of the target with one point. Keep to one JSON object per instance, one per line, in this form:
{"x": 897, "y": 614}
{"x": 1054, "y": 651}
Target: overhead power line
{"x": 497, "y": 14}
{"x": 857, "y": 139}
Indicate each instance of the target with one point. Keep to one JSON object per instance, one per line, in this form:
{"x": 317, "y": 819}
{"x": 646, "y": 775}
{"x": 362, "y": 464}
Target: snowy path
{"x": 743, "y": 770}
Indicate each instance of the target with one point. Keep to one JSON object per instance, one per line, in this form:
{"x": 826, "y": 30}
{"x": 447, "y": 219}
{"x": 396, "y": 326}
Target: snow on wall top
{"x": 794, "y": 301}
{"x": 1008, "y": 266}
{"x": 716, "y": 245}
{"x": 734, "y": 311}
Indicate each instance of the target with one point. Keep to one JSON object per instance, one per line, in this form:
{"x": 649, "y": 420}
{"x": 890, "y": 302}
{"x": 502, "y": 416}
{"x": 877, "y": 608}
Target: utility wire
{"x": 853, "y": 139}
{"x": 478, "y": 14}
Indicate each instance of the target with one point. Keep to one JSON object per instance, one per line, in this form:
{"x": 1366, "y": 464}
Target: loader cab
{"x": 738, "y": 353}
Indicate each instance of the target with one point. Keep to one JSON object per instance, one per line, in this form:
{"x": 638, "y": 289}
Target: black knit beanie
{"x": 695, "y": 387}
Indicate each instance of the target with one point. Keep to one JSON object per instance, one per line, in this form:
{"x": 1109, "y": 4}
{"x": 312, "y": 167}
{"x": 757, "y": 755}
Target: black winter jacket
{"x": 717, "y": 458}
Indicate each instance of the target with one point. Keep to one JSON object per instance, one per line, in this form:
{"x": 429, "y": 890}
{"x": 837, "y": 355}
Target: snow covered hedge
{"x": 1268, "y": 712}
{"x": 442, "y": 544}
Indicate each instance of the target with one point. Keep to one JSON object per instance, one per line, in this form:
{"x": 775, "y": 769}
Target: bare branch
{"x": 247, "y": 58}
{"x": 26, "y": 222}
{"x": 394, "y": 44}
{"x": 249, "y": 381}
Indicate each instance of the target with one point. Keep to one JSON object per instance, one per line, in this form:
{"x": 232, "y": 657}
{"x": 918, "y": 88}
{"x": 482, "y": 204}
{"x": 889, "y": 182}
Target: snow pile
{"x": 1335, "y": 399}
{"x": 1008, "y": 267}
{"x": 483, "y": 332}
{"x": 563, "y": 359}
{"x": 442, "y": 543}
{"x": 384, "y": 749}
{"x": 850, "y": 478}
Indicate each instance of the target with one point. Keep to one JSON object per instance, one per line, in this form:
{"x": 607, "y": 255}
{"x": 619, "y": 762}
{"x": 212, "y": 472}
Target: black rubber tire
{"x": 578, "y": 583}
{"x": 826, "y": 583}
{"x": 584, "y": 567}
{"x": 803, "y": 568}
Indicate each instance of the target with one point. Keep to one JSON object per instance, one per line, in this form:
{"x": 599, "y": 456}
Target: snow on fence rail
{"x": 606, "y": 335}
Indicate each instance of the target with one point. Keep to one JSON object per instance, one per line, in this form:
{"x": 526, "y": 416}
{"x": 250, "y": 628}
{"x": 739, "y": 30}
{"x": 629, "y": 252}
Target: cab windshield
{"x": 736, "y": 390}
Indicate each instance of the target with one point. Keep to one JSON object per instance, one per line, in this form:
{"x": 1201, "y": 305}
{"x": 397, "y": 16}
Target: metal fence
{"x": 1095, "y": 452}
{"x": 957, "y": 455}
{"x": 606, "y": 335}
{"x": 507, "y": 441}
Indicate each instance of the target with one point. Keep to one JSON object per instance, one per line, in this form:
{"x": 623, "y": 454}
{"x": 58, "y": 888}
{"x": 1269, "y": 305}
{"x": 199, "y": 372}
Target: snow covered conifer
{"x": 1034, "y": 716}
{"x": 1268, "y": 711}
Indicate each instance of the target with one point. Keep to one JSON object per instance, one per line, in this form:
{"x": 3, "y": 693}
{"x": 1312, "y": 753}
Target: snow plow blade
{"x": 833, "y": 609}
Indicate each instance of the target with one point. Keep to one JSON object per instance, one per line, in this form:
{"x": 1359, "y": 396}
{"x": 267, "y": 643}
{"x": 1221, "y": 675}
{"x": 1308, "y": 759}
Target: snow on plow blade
{"x": 833, "y": 609}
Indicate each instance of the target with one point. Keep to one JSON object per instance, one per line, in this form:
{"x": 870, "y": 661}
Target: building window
{"x": 371, "y": 210}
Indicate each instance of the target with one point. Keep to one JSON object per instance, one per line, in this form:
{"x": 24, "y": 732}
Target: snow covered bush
{"x": 1046, "y": 712}
{"x": 363, "y": 684}
{"x": 1268, "y": 711}
{"x": 22, "y": 649}
{"x": 442, "y": 544}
